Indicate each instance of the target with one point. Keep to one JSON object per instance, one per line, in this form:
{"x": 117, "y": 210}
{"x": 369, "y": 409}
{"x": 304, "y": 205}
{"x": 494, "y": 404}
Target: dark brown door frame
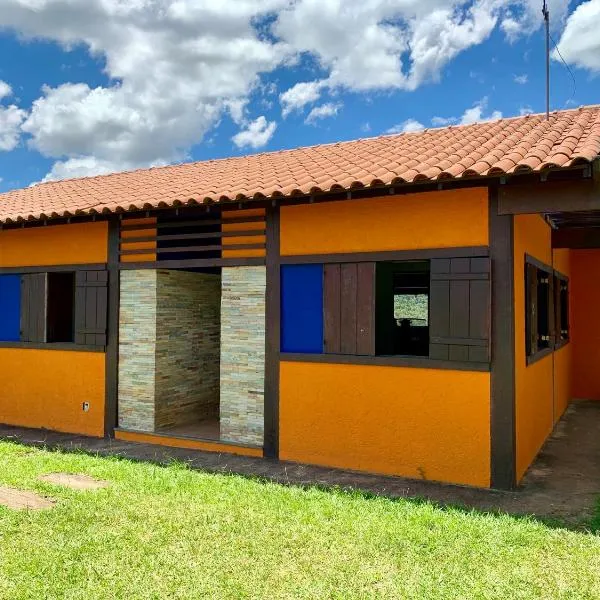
{"x": 502, "y": 408}
{"x": 112, "y": 345}
{"x": 272, "y": 335}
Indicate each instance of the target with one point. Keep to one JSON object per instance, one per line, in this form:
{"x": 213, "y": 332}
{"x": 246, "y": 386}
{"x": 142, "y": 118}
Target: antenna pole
{"x": 546, "y": 14}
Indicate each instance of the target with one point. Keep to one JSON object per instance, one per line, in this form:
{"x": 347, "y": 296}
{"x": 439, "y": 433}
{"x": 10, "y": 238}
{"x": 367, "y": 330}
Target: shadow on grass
{"x": 585, "y": 526}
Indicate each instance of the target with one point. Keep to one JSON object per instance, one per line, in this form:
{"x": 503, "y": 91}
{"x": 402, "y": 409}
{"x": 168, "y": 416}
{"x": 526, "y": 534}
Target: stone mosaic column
{"x": 243, "y": 354}
{"x": 137, "y": 350}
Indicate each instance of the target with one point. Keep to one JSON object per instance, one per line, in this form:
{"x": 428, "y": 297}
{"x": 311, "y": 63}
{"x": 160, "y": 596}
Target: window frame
{"x": 449, "y": 363}
{"x": 559, "y": 280}
{"x": 555, "y": 342}
{"x": 45, "y": 269}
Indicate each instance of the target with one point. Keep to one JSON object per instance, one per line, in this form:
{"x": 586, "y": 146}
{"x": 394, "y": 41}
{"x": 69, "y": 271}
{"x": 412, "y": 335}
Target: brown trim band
{"x": 52, "y": 346}
{"x": 193, "y": 263}
{"x": 387, "y": 255}
{"x": 191, "y": 223}
{"x": 421, "y": 362}
{"x": 196, "y": 249}
{"x": 272, "y": 336}
{"x": 52, "y": 268}
{"x": 194, "y": 236}
{"x": 502, "y": 392}
{"x": 556, "y": 196}
{"x": 576, "y": 237}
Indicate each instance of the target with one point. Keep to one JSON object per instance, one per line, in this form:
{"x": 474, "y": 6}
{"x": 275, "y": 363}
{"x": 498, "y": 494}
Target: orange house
{"x": 420, "y": 305}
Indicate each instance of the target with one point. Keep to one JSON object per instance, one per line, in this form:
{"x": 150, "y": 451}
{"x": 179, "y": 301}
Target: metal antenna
{"x": 546, "y": 14}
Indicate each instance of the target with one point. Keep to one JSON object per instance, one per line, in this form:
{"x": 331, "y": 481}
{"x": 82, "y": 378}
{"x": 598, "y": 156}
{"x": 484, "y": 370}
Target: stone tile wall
{"x": 187, "y": 347}
{"x": 137, "y": 344}
{"x": 243, "y": 354}
{"x": 169, "y": 336}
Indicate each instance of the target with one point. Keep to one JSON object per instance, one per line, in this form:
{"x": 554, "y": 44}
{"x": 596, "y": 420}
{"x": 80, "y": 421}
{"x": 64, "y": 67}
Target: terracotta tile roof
{"x": 506, "y": 146}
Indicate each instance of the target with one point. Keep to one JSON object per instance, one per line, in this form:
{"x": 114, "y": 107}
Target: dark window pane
{"x": 564, "y": 310}
{"x": 61, "y": 297}
{"x": 402, "y": 308}
{"x": 543, "y": 306}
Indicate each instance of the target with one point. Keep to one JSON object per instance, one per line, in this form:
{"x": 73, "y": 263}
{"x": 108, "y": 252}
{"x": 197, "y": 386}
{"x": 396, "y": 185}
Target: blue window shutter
{"x": 302, "y": 308}
{"x": 10, "y": 308}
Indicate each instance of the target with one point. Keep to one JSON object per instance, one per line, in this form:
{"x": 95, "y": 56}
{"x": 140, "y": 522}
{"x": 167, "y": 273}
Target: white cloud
{"x": 443, "y": 121}
{"x": 523, "y": 17}
{"x": 408, "y": 126}
{"x": 237, "y": 109}
{"x": 329, "y": 109}
{"x": 380, "y": 44}
{"x": 175, "y": 66}
{"x": 521, "y": 79}
{"x": 11, "y": 118}
{"x": 525, "y": 110}
{"x": 300, "y": 95}
{"x": 257, "y": 134}
{"x": 474, "y": 114}
{"x": 5, "y": 90}
{"x": 580, "y": 41}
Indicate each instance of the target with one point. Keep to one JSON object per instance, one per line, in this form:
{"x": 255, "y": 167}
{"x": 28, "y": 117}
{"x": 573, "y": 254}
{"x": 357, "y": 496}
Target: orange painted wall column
{"x": 534, "y": 387}
{"x": 563, "y": 357}
{"x": 420, "y": 423}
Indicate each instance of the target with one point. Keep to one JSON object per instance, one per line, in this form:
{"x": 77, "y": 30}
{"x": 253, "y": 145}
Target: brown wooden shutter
{"x": 33, "y": 307}
{"x": 459, "y": 309}
{"x": 91, "y": 304}
{"x": 531, "y": 318}
{"x": 349, "y": 308}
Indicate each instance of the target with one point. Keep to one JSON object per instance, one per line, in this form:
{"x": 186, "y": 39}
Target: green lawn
{"x": 174, "y": 533}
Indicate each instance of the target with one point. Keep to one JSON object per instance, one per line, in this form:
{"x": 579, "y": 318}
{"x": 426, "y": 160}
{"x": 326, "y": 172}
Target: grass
{"x": 170, "y": 532}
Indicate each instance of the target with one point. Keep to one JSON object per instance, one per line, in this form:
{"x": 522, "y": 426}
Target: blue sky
{"x": 94, "y": 86}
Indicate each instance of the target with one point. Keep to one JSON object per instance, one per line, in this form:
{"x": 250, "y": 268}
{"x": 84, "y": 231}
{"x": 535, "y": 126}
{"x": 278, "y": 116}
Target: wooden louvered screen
{"x": 198, "y": 235}
{"x": 349, "y": 308}
{"x": 33, "y": 307}
{"x": 91, "y": 307}
{"x": 459, "y": 309}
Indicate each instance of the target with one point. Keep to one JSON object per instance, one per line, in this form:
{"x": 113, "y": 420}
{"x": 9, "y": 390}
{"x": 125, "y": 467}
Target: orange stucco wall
{"x": 403, "y": 421}
{"x": 78, "y": 243}
{"x": 442, "y": 219}
{"x": 418, "y": 423}
{"x": 47, "y": 389}
{"x": 563, "y": 357}
{"x": 534, "y": 387}
{"x": 585, "y": 323}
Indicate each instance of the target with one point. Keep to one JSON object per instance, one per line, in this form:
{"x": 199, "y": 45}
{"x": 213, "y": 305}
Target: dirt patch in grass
{"x": 74, "y": 481}
{"x": 23, "y": 499}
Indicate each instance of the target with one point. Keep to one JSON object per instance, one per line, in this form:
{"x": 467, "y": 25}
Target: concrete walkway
{"x": 563, "y": 483}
